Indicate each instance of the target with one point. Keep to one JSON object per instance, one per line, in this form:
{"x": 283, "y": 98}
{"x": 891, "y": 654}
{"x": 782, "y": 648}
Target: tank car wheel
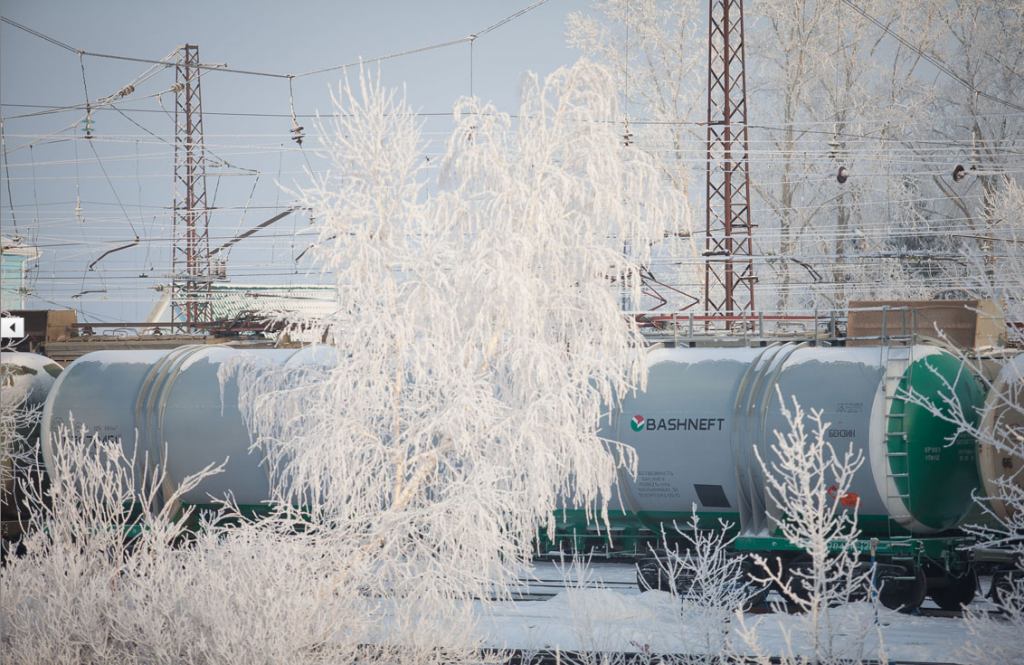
{"x": 804, "y": 565}
{"x": 958, "y": 594}
{"x": 650, "y": 576}
{"x": 904, "y": 595}
{"x": 1002, "y": 592}
{"x": 756, "y": 593}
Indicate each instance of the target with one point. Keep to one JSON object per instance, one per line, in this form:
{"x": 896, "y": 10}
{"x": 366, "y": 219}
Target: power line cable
{"x": 224, "y": 68}
{"x": 7, "y": 166}
{"x": 470, "y": 38}
{"x": 39, "y": 34}
{"x": 935, "y": 62}
{"x": 422, "y": 49}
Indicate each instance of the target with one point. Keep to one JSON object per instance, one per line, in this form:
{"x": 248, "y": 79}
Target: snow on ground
{"x": 608, "y": 613}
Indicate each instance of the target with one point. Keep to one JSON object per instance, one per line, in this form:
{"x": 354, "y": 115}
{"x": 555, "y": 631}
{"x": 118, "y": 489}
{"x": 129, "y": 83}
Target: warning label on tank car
{"x": 849, "y": 500}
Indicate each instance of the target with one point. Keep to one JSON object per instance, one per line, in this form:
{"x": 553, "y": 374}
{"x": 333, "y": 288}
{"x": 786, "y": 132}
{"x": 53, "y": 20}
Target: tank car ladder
{"x": 899, "y": 363}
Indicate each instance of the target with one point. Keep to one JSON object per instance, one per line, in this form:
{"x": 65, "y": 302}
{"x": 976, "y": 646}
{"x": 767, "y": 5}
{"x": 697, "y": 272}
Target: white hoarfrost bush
{"x": 60, "y": 598}
{"x": 17, "y": 416}
{"x": 24, "y": 383}
{"x": 710, "y": 582}
{"x": 478, "y": 334}
{"x": 106, "y": 578}
{"x": 799, "y": 473}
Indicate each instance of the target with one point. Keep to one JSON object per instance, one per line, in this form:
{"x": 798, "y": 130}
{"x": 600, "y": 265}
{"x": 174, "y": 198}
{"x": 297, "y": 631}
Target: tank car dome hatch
{"x": 1002, "y": 436}
{"x": 708, "y": 413}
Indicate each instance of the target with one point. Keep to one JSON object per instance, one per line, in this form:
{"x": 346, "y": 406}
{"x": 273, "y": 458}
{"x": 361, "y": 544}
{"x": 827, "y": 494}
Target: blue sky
{"x": 121, "y": 179}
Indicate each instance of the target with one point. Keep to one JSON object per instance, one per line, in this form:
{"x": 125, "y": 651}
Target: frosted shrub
{"x": 19, "y": 416}
{"x": 16, "y": 417}
{"x": 62, "y": 598}
{"x": 798, "y": 474}
{"x": 107, "y": 578}
{"x": 707, "y": 579}
{"x": 718, "y": 589}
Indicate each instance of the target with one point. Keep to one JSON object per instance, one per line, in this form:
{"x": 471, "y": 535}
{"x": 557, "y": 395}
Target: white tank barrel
{"x": 172, "y": 400}
{"x": 705, "y": 411}
{"x": 695, "y": 428}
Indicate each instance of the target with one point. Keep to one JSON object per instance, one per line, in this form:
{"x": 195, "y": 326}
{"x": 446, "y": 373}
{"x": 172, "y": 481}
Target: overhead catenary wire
{"x": 106, "y": 228}
{"x": 322, "y": 70}
{"x": 862, "y": 121}
{"x": 7, "y": 169}
{"x": 931, "y": 59}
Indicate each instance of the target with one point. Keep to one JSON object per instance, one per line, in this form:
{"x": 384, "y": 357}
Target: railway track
{"x": 642, "y": 657}
{"x": 542, "y": 589}
{"x": 518, "y": 657}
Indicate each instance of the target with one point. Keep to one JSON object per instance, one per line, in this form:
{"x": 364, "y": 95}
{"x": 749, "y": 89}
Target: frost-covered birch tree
{"x": 979, "y": 126}
{"x": 833, "y": 88}
{"x": 477, "y": 337}
{"x": 657, "y": 54}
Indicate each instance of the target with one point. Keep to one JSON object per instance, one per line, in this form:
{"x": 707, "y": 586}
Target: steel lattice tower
{"x": 190, "y": 263}
{"x": 728, "y": 270}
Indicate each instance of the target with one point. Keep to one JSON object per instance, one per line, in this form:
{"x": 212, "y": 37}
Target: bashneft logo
{"x": 652, "y": 424}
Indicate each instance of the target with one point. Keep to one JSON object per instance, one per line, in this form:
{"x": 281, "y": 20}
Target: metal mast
{"x": 190, "y": 263}
{"x": 728, "y": 270}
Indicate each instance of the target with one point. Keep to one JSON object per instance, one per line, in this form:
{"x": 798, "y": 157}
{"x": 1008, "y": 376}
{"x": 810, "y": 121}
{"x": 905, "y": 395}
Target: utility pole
{"x": 190, "y": 261}
{"x": 728, "y": 269}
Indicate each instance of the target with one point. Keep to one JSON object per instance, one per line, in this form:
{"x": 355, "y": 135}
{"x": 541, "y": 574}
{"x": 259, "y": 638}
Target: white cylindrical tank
{"x": 706, "y": 411}
{"x": 695, "y": 429}
{"x": 1002, "y": 444}
{"x": 173, "y": 403}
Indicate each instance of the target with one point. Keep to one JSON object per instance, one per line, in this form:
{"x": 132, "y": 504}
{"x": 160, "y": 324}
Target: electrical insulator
{"x": 88, "y": 126}
{"x": 297, "y": 134}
